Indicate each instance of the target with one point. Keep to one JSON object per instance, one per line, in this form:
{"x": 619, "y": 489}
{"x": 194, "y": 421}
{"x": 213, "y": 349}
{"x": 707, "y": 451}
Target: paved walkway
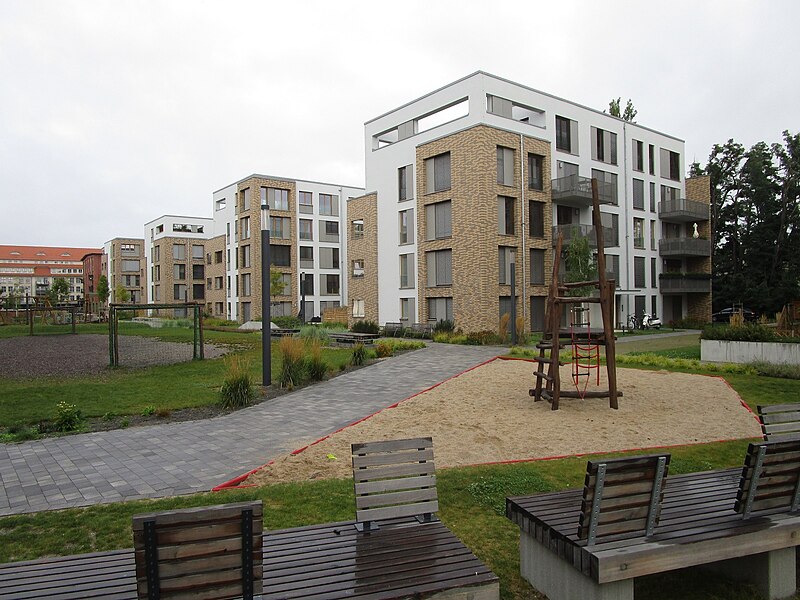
{"x": 180, "y": 458}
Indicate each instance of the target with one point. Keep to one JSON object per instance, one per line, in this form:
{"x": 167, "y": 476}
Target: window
{"x": 130, "y": 265}
{"x": 156, "y": 253}
{"x": 280, "y": 228}
{"x": 328, "y": 231}
{"x": 505, "y": 166}
{"x": 276, "y": 199}
{"x": 651, "y": 155}
{"x": 306, "y": 257}
{"x": 245, "y": 228}
{"x": 246, "y": 257}
{"x": 536, "y": 219}
{"x": 504, "y": 259}
{"x": 179, "y": 291}
{"x": 503, "y": 107}
{"x": 329, "y": 258}
{"x": 652, "y": 197}
{"x": 236, "y": 230}
{"x": 126, "y": 249}
{"x": 438, "y": 221}
{"x": 197, "y": 252}
{"x": 246, "y": 199}
{"x": 358, "y": 308}
{"x": 306, "y": 229}
{"x": 220, "y": 204}
{"x": 217, "y": 257}
{"x": 505, "y": 215}
{"x": 358, "y": 267}
{"x": 638, "y": 272}
{"x": 227, "y": 233}
{"x": 329, "y": 285}
{"x": 406, "y": 270}
{"x": 246, "y": 288}
{"x": 537, "y": 313}
{"x": 440, "y": 268}
{"x": 537, "y": 267}
{"x": 306, "y": 202}
{"x": 358, "y": 228}
{"x": 179, "y": 272}
{"x": 604, "y": 146}
{"x": 198, "y": 271}
{"x": 179, "y": 252}
{"x": 612, "y": 267}
{"x": 670, "y": 194}
{"x": 611, "y": 180}
{"x": 157, "y": 273}
{"x": 566, "y": 135}
{"x": 638, "y": 233}
{"x": 652, "y": 235}
{"x": 638, "y": 156}
{"x": 405, "y": 183}
{"x": 670, "y": 165}
{"x": 437, "y": 173}
{"x": 280, "y": 256}
{"x": 638, "y": 194}
{"x": 156, "y": 293}
{"x": 535, "y": 172}
{"x": 306, "y": 284}
{"x": 329, "y": 205}
{"x": 218, "y": 282}
{"x": 408, "y": 311}
{"x": 611, "y": 232}
{"x": 406, "y": 218}
{"x": 440, "y": 309}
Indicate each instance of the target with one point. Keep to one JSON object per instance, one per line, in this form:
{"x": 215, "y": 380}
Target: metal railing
{"x": 684, "y": 247}
{"x": 684, "y": 209}
{"x": 684, "y": 284}
{"x": 573, "y": 230}
{"x": 576, "y": 187}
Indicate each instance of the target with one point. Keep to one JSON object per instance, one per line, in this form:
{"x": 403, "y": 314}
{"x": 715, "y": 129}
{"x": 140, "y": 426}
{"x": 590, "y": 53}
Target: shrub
{"x": 315, "y": 333}
{"x": 163, "y": 413}
{"x": 292, "y": 370}
{"x": 148, "y": 410}
{"x": 365, "y": 327}
{"x": 687, "y": 323}
{"x": 237, "y": 387}
{"x": 359, "y": 355}
{"x": 481, "y": 338}
{"x": 68, "y": 417}
{"x": 316, "y": 367}
{"x": 782, "y": 371}
{"x": 444, "y": 326}
{"x": 384, "y": 349}
{"x": 505, "y": 320}
{"x": 742, "y": 333}
{"x": 287, "y": 322}
{"x": 125, "y": 423}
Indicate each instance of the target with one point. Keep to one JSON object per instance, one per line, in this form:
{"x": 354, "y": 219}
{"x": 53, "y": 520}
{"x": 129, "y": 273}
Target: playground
{"x": 486, "y": 415}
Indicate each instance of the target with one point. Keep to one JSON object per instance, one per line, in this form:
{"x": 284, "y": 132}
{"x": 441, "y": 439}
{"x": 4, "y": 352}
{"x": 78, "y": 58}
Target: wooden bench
{"x": 780, "y": 421}
{"x": 350, "y": 338}
{"x": 703, "y": 519}
{"x": 424, "y": 330}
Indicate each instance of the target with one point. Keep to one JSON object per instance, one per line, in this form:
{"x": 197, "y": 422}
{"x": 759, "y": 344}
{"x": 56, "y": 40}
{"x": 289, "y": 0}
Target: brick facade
{"x": 699, "y": 190}
{"x": 122, "y": 253}
{"x": 363, "y": 248}
{"x": 216, "y": 283}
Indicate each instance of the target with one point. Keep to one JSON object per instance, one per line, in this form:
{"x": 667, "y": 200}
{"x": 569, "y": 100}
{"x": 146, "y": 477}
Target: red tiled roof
{"x": 37, "y": 253}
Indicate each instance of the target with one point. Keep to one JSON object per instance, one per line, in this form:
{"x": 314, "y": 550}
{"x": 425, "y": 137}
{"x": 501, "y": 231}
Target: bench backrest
{"x": 622, "y": 495}
{"x": 209, "y": 552}
{"x": 780, "y": 421}
{"x": 770, "y": 477}
{"x": 394, "y": 479}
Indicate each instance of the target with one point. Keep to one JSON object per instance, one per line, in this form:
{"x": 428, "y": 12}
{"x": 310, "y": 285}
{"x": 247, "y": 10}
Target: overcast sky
{"x": 113, "y": 113}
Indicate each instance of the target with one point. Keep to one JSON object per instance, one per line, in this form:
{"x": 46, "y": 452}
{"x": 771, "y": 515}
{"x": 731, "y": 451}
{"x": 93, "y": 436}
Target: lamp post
{"x": 513, "y": 298}
{"x": 266, "y": 317}
{"x": 302, "y": 296}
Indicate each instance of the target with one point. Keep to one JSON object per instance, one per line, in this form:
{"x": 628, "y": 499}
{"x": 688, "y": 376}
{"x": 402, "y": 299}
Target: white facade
{"x": 391, "y": 141}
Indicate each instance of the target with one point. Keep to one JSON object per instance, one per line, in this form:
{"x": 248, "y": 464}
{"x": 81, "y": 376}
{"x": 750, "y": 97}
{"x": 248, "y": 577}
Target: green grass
{"x": 659, "y": 343}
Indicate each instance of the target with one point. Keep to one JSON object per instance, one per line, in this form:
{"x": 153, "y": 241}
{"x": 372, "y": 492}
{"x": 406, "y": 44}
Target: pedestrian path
{"x": 181, "y": 458}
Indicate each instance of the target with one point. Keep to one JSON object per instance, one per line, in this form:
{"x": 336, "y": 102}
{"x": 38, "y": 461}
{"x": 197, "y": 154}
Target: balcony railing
{"x": 684, "y": 247}
{"x": 683, "y": 210}
{"x": 576, "y": 191}
{"x": 571, "y": 231}
{"x": 684, "y": 283}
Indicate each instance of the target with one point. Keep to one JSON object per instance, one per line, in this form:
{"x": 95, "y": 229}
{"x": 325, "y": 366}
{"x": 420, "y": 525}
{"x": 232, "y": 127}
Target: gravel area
{"x": 72, "y": 355}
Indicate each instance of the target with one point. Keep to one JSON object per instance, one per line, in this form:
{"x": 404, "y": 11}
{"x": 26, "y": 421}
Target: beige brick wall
{"x": 699, "y": 190}
{"x": 475, "y": 237}
{"x": 167, "y": 264}
{"x": 365, "y": 248}
{"x": 215, "y": 270}
{"x": 139, "y": 292}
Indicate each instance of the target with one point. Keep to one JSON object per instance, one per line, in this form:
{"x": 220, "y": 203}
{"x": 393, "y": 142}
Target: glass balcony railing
{"x": 683, "y": 210}
{"x": 573, "y": 230}
{"x": 678, "y": 247}
{"x": 576, "y": 191}
{"x": 684, "y": 283}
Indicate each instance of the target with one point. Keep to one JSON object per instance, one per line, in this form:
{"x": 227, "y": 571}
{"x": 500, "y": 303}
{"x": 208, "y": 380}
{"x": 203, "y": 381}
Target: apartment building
{"x": 28, "y": 271}
{"x": 307, "y": 242}
{"x": 125, "y": 268}
{"x": 176, "y": 258}
{"x": 92, "y": 270}
{"x": 485, "y": 173}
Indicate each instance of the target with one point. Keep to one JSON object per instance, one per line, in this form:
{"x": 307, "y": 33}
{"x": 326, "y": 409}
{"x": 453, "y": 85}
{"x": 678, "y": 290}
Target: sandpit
{"x": 486, "y": 415}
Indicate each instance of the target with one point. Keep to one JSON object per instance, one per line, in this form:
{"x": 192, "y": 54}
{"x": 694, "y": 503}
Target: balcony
{"x": 684, "y": 283}
{"x": 683, "y": 247}
{"x": 683, "y": 210}
{"x": 576, "y": 191}
{"x": 573, "y": 230}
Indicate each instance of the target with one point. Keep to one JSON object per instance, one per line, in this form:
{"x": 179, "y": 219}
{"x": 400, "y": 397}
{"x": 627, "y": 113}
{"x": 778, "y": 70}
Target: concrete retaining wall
{"x": 745, "y": 352}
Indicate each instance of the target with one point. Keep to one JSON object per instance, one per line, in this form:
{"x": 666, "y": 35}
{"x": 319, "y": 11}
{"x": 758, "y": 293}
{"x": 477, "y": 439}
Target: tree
{"x": 58, "y": 290}
{"x": 579, "y": 264}
{"x": 277, "y": 287}
{"x": 628, "y": 115}
{"x": 121, "y": 294}
{"x": 103, "y": 289}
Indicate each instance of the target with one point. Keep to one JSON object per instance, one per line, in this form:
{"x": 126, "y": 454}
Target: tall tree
{"x": 58, "y": 290}
{"x": 276, "y": 285}
{"x": 579, "y": 264}
{"x": 629, "y": 114}
{"x": 103, "y": 289}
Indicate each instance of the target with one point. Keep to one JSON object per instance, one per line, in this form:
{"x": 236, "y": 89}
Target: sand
{"x": 486, "y": 415}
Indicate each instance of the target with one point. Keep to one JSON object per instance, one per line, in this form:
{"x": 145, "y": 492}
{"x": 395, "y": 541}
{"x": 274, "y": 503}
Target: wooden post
{"x": 200, "y": 327}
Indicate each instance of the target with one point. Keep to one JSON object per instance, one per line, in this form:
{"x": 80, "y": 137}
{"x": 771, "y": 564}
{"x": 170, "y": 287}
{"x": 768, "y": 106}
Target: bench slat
{"x": 377, "y": 500}
{"x": 381, "y": 459}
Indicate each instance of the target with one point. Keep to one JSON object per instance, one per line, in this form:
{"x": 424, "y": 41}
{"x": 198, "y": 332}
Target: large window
{"x": 505, "y": 215}
{"x": 280, "y": 228}
{"x": 306, "y": 230}
{"x": 440, "y": 309}
{"x": 329, "y": 258}
{"x": 275, "y": 198}
{"x": 198, "y": 271}
{"x": 306, "y": 284}
{"x": 246, "y": 288}
{"x": 652, "y": 235}
{"x": 280, "y": 256}
{"x": 653, "y": 277}
{"x": 358, "y": 308}
{"x": 537, "y": 313}
{"x": 329, "y": 205}
{"x": 670, "y": 164}
{"x": 179, "y": 251}
{"x": 438, "y": 221}
{"x": 179, "y": 291}
{"x": 405, "y": 183}
{"x": 406, "y": 270}
{"x": 406, "y": 222}
{"x": 358, "y": 228}
{"x": 537, "y": 266}
{"x": 651, "y": 156}
{"x": 505, "y": 166}
{"x": 245, "y": 228}
{"x": 328, "y": 231}
{"x": 357, "y": 267}
{"x": 638, "y": 272}
{"x": 440, "y": 268}
{"x": 306, "y": 257}
{"x": 246, "y": 257}
{"x": 637, "y": 157}
{"x": 535, "y": 172}
{"x": 130, "y": 265}
{"x": 566, "y": 135}
{"x": 652, "y": 197}
{"x": 437, "y": 173}
{"x": 306, "y": 200}
{"x": 638, "y": 233}
{"x": 329, "y": 285}
{"x": 179, "y": 272}
{"x": 408, "y": 311}
{"x": 638, "y": 194}
{"x": 611, "y": 180}
{"x": 536, "y": 219}
{"x": 670, "y": 194}
{"x": 504, "y": 258}
{"x": 604, "y": 146}
{"x": 245, "y": 194}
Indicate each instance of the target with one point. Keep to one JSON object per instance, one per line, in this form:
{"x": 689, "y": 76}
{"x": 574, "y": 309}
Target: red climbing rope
{"x": 585, "y": 356}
